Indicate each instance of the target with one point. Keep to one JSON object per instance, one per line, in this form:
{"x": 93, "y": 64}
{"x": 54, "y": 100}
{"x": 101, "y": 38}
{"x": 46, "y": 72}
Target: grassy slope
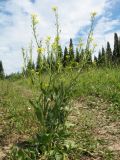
{"x": 96, "y": 112}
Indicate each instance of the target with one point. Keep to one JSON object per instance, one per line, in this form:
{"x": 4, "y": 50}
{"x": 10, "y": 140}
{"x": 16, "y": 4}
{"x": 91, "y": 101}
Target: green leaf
{"x": 38, "y": 112}
{"x": 70, "y": 144}
{"x": 58, "y": 156}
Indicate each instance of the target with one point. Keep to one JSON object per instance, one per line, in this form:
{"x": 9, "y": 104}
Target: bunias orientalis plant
{"x": 53, "y": 104}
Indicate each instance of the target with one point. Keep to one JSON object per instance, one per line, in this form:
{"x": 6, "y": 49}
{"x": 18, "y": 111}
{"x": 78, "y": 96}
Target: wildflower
{"x": 48, "y": 99}
{"x": 67, "y": 56}
{"x": 93, "y": 14}
{"x": 54, "y": 8}
{"x": 40, "y": 50}
{"x": 57, "y": 38}
{"x": 80, "y": 40}
{"x": 33, "y": 15}
{"x": 22, "y": 66}
{"x": 29, "y": 108}
{"x": 35, "y": 18}
{"x": 94, "y": 45}
{"x": 91, "y": 38}
{"x": 80, "y": 44}
{"x": 32, "y": 71}
{"x": 48, "y": 39}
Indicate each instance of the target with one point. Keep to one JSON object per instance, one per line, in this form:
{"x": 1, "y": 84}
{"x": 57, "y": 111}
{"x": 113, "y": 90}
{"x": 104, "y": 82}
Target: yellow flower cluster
{"x": 40, "y": 50}
{"x": 48, "y": 39}
{"x": 94, "y": 45}
{"x": 91, "y": 38}
{"x": 54, "y": 8}
{"x": 93, "y": 14}
{"x": 33, "y": 15}
{"x": 35, "y": 18}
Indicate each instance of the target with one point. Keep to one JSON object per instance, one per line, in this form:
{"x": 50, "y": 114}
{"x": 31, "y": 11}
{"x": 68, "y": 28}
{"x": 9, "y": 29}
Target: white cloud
{"x": 104, "y": 31}
{"x": 16, "y": 33}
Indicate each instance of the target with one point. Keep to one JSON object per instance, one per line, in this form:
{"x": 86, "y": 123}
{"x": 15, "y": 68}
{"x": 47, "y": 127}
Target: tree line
{"x": 73, "y": 57}
{"x": 108, "y": 57}
{"x": 1, "y": 71}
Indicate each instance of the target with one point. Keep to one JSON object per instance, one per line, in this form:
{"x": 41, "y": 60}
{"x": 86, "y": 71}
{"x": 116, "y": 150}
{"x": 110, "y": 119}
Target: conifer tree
{"x": 95, "y": 60}
{"x": 119, "y": 45}
{"x": 89, "y": 62}
{"x": 103, "y": 57}
{"x": 45, "y": 63}
{"x": 66, "y": 57}
{"x": 108, "y": 54}
{"x": 38, "y": 63}
{"x": 29, "y": 60}
{"x": 51, "y": 61}
{"x": 29, "y": 65}
{"x": 60, "y": 52}
{"x": 116, "y": 56}
{"x": 82, "y": 54}
{"x": 59, "y": 59}
{"x": 77, "y": 56}
{"x": 33, "y": 66}
{"x": 1, "y": 71}
{"x": 99, "y": 61}
{"x": 71, "y": 51}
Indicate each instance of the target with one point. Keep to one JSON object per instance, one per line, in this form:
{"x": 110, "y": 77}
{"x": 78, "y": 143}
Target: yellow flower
{"x": 48, "y": 39}
{"x": 80, "y": 44}
{"x": 33, "y": 15}
{"x": 35, "y": 18}
{"x": 57, "y": 38}
{"x": 22, "y": 66}
{"x": 93, "y": 14}
{"x": 54, "y": 8}
{"x": 91, "y": 38}
{"x": 29, "y": 108}
{"x": 94, "y": 45}
{"x": 40, "y": 50}
{"x": 32, "y": 70}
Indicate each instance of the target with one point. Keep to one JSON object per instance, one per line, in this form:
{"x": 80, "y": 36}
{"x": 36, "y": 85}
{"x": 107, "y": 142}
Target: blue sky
{"x": 74, "y": 15}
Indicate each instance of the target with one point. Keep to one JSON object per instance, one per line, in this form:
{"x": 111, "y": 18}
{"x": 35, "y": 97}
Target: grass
{"x": 102, "y": 83}
{"x": 15, "y": 105}
{"x": 96, "y": 114}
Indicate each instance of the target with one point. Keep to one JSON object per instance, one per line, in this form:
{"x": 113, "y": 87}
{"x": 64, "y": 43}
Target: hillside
{"x": 95, "y": 115}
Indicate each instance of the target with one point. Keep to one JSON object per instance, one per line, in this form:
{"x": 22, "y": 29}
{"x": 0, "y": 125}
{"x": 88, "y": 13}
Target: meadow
{"x": 95, "y": 114}
{"x": 64, "y": 107}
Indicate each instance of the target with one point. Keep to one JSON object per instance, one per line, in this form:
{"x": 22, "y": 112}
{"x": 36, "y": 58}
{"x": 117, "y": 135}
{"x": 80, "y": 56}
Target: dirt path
{"x": 94, "y": 130}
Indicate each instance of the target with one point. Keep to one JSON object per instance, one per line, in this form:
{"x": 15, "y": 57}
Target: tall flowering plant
{"x": 52, "y": 106}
